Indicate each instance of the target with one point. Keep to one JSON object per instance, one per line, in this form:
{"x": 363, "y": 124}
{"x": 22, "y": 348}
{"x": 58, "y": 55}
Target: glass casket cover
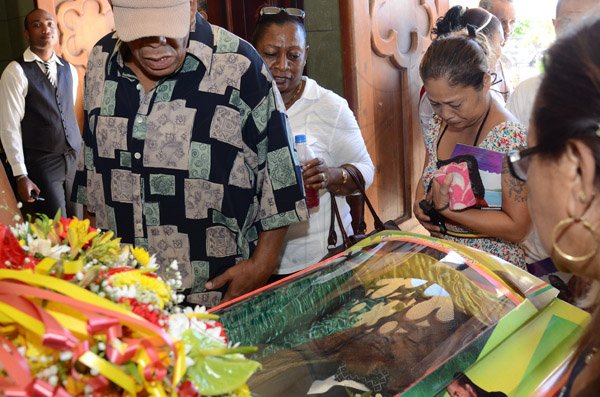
{"x": 403, "y": 314}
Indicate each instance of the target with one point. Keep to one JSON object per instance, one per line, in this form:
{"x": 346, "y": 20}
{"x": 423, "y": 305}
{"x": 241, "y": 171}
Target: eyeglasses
{"x": 294, "y": 12}
{"x": 518, "y": 161}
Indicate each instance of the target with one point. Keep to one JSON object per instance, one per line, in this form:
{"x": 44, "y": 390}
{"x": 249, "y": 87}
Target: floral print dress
{"x": 502, "y": 138}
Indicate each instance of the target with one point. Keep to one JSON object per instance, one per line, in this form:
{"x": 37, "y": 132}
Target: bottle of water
{"x": 305, "y": 154}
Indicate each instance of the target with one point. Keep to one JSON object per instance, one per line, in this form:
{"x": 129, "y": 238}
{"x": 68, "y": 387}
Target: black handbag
{"x": 348, "y": 241}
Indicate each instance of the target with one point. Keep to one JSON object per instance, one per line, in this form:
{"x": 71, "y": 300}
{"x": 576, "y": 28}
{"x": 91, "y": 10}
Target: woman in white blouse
{"x": 330, "y": 128}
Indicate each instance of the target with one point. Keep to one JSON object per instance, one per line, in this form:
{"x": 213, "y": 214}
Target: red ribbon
{"x": 41, "y": 388}
{"x": 14, "y": 364}
{"x": 99, "y": 324}
{"x": 100, "y": 320}
{"x": 155, "y": 370}
{"x": 55, "y": 336}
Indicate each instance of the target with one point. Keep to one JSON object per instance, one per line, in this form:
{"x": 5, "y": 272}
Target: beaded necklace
{"x": 296, "y": 95}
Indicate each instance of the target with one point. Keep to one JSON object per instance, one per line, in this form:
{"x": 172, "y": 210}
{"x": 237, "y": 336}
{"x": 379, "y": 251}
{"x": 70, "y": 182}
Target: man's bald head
{"x": 505, "y": 11}
{"x": 569, "y": 12}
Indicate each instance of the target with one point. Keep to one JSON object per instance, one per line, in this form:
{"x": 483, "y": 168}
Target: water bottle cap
{"x": 300, "y": 138}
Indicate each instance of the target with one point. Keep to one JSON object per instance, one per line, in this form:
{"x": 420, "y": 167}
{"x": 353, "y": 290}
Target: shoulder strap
{"x": 335, "y": 215}
{"x": 359, "y": 180}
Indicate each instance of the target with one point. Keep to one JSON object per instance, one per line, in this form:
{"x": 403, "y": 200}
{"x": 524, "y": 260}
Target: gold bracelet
{"x": 344, "y": 176}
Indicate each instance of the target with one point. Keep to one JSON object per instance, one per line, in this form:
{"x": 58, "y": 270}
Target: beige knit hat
{"x": 135, "y": 19}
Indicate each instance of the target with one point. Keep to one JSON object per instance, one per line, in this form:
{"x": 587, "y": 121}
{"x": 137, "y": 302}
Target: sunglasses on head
{"x": 294, "y": 12}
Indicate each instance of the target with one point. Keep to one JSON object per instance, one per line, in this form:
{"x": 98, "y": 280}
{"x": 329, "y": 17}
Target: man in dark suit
{"x": 39, "y": 132}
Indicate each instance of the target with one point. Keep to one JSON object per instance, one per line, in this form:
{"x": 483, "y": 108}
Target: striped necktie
{"x": 47, "y": 71}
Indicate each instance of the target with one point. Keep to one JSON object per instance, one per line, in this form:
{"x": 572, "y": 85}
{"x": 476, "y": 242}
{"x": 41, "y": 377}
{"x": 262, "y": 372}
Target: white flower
{"x": 45, "y": 248}
{"x": 178, "y": 324}
{"x": 123, "y": 258}
{"x": 152, "y": 263}
{"x": 188, "y": 362}
{"x": 20, "y": 230}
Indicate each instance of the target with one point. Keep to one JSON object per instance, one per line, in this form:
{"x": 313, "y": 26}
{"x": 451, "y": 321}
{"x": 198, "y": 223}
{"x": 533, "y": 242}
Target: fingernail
{"x": 208, "y": 285}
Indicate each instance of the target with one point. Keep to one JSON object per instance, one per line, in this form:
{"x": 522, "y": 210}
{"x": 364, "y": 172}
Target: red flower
{"x": 187, "y": 389}
{"x": 142, "y": 310}
{"x": 61, "y": 228}
{"x": 218, "y": 324}
{"x": 12, "y": 255}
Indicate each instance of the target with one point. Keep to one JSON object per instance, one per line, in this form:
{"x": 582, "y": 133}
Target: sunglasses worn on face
{"x": 518, "y": 161}
{"x": 294, "y": 12}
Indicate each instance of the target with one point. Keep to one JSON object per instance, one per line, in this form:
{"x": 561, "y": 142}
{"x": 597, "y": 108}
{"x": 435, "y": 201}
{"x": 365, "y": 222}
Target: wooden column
{"x": 383, "y": 42}
{"x": 8, "y": 204}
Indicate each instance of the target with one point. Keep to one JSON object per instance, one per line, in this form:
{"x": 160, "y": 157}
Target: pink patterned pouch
{"x": 461, "y": 190}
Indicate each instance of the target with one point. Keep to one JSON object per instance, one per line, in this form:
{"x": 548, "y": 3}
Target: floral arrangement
{"x": 82, "y": 314}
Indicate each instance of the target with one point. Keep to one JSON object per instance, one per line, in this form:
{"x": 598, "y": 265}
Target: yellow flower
{"x": 243, "y": 391}
{"x": 141, "y": 255}
{"x": 104, "y": 248}
{"x": 79, "y": 235}
{"x": 143, "y": 283}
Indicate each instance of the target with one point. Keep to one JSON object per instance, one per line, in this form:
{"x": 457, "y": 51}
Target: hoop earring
{"x": 564, "y": 261}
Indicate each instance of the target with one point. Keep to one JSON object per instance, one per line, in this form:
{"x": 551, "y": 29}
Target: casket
{"x": 405, "y": 314}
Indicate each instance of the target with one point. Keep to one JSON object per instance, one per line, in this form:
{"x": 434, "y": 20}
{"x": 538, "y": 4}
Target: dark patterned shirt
{"x": 197, "y": 167}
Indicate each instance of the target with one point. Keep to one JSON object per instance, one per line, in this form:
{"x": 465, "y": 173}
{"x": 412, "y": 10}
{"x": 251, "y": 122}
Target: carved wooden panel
{"x": 383, "y": 43}
{"x": 8, "y": 204}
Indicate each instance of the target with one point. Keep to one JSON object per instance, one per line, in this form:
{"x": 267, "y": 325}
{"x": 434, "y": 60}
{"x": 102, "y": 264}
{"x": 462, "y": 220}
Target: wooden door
{"x": 239, "y": 16}
{"x": 383, "y": 42}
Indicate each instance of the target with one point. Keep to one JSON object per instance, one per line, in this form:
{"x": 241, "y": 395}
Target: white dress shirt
{"x": 520, "y": 102}
{"x": 13, "y": 90}
{"x": 334, "y": 135}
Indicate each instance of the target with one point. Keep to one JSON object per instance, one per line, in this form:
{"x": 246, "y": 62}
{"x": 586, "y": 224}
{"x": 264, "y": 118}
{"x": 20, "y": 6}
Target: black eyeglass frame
{"x": 515, "y": 159}
{"x": 293, "y": 12}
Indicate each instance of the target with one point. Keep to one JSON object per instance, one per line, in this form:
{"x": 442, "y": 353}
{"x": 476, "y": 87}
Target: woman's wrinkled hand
{"x": 315, "y": 174}
{"x": 424, "y": 219}
{"x": 440, "y": 193}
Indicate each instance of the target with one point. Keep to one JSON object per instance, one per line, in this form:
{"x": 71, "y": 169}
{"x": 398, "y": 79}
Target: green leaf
{"x": 217, "y": 369}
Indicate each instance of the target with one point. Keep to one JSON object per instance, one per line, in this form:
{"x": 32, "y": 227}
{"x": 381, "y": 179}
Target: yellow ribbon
{"x": 75, "y": 322}
{"x": 24, "y": 320}
{"x": 69, "y": 318}
{"x": 45, "y": 265}
{"x": 109, "y": 371}
{"x": 73, "y": 267}
{"x": 153, "y": 388}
